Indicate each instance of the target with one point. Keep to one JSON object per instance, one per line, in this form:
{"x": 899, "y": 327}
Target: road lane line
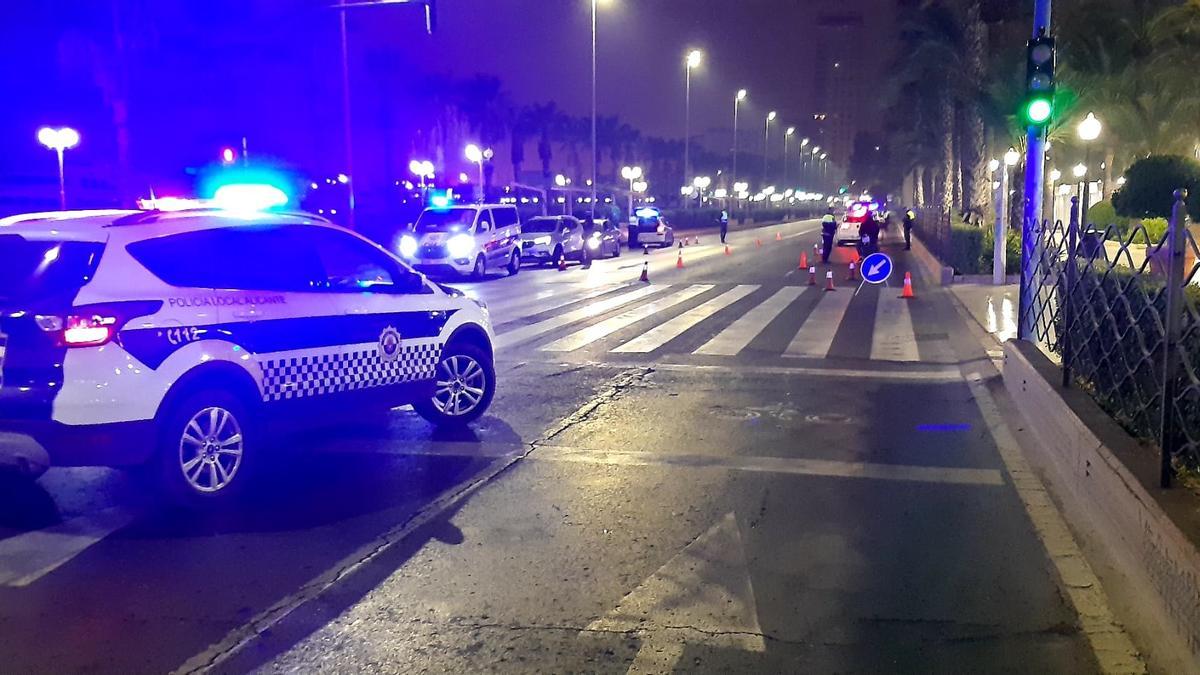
{"x": 27, "y": 557}
{"x": 739, "y": 334}
{"x": 659, "y": 336}
{"x": 893, "y": 338}
{"x": 1115, "y": 652}
{"x": 815, "y": 337}
{"x": 607, "y": 327}
{"x": 525, "y": 333}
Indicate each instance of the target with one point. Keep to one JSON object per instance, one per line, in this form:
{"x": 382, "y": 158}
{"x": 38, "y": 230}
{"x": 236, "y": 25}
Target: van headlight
{"x": 460, "y": 245}
{"x": 408, "y": 246}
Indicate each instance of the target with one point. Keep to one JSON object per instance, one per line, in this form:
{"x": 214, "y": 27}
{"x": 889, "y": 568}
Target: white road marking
{"x": 27, "y": 557}
{"x": 893, "y": 338}
{"x": 705, "y": 587}
{"x": 502, "y": 312}
{"x": 524, "y": 333}
{"x": 938, "y": 374}
{"x": 815, "y": 337}
{"x": 735, "y": 338}
{"x": 660, "y": 335}
{"x": 607, "y": 327}
{"x": 1114, "y": 650}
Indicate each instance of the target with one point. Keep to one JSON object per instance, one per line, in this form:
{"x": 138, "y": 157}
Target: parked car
{"x": 547, "y": 239}
{"x": 464, "y": 239}
{"x": 651, "y": 227}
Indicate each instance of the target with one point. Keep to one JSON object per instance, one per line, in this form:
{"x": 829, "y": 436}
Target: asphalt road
{"x": 724, "y": 469}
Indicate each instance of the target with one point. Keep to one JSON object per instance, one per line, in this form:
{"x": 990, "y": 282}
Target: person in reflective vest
{"x": 828, "y": 229}
{"x": 724, "y": 224}
{"x": 910, "y": 219}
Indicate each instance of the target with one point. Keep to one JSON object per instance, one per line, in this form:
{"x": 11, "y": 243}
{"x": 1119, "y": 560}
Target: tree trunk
{"x": 977, "y": 182}
{"x": 919, "y": 186}
{"x": 945, "y": 191}
{"x": 1110, "y": 157}
{"x": 959, "y": 201}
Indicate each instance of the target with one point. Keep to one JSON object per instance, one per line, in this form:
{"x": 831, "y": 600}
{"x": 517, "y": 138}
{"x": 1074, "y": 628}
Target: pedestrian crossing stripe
{"x": 607, "y": 327}
{"x": 815, "y": 337}
{"x": 526, "y": 333}
{"x": 893, "y": 338}
{"x": 664, "y": 333}
{"x": 735, "y": 338}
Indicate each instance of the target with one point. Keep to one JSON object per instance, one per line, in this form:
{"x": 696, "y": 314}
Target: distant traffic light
{"x": 1038, "y": 108}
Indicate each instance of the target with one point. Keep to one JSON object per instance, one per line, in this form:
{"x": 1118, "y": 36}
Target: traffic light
{"x": 1038, "y": 108}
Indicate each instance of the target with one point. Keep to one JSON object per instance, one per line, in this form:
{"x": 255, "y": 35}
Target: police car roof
{"x": 91, "y": 225}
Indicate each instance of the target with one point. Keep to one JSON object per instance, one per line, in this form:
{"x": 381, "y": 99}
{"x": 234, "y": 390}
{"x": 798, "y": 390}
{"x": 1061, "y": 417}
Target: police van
{"x": 182, "y": 339}
{"x": 464, "y": 239}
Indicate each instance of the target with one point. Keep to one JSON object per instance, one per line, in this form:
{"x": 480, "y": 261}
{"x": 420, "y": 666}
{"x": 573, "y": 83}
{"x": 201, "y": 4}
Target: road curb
{"x": 1129, "y": 517}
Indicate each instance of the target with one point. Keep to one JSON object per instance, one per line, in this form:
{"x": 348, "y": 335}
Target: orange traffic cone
{"x": 758, "y": 243}
{"x": 645, "y": 272}
{"x": 681, "y": 243}
{"x": 562, "y": 263}
{"x": 907, "y": 294}
{"x": 685, "y": 241}
{"x": 679, "y": 261}
{"x": 778, "y": 236}
{"x": 803, "y": 259}
{"x": 812, "y": 276}
{"x": 645, "y": 249}
{"x": 850, "y": 272}
{"x": 727, "y": 251}
{"x": 829, "y": 281}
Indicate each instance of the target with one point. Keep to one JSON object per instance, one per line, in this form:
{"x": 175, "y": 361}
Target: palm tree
{"x": 542, "y": 119}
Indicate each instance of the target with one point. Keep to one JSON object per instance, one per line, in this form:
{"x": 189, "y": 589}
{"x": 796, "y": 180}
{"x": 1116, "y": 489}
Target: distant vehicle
{"x": 605, "y": 240}
{"x": 464, "y": 239}
{"x": 548, "y": 239}
{"x": 181, "y": 340}
{"x": 650, "y": 227}
{"x": 856, "y": 213}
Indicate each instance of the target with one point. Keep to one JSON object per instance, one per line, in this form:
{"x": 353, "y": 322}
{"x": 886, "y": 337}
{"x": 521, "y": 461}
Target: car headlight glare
{"x": 408, "y": 246}
{"x": 594, "y": 243}
{"x": 542, "y": 241}
{"x": 662, "y": 229}
{"x": 460, "y": 245}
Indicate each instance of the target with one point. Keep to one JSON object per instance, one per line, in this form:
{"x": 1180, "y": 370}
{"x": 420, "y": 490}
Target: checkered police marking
{"x": 365, "y": 367}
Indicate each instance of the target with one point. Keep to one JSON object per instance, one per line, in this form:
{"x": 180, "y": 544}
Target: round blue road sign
{"x": 876, "y": 268}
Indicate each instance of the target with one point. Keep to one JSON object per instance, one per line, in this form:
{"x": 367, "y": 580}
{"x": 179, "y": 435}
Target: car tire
{"x": 464, "y": 375}
{"x": 207, "y": 445}
{"x": 514, "y": 264}
{"x": 479, "y": 271}
{"x": 617, "y": 250}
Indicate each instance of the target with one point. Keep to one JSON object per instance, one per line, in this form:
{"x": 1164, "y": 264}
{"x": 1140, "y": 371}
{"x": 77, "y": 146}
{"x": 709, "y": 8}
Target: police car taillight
{"x": 95, "y": 325}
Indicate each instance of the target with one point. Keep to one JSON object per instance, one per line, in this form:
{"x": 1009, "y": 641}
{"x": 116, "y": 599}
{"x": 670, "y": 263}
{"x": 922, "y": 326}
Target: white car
{"x": 179, "y": 339}
{"x": 464, "y": 239}
{"x": 548, "y": 239}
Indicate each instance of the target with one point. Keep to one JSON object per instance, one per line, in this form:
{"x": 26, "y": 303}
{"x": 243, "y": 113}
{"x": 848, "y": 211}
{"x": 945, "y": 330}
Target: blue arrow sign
{"x": 876, "y": 268}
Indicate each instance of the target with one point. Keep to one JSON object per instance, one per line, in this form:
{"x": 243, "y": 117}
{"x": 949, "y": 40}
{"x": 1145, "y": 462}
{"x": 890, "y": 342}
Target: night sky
{"x": 204, "y": 73}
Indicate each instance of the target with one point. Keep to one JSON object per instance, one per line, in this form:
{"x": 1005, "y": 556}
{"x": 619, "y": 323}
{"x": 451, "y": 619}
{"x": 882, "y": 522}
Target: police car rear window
{"x": 274, "y": 258}
{"x": 36, "y": 270}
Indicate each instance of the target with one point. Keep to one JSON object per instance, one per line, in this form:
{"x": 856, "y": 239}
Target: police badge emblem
{"x": 389, "y": 344}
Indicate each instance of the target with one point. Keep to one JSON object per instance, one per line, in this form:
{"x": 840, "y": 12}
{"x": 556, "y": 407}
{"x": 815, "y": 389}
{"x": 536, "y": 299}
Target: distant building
{"x": 844, "y": 67}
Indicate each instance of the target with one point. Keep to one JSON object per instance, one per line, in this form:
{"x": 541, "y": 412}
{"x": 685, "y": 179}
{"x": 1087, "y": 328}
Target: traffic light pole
{"x": 1035, "y": 183}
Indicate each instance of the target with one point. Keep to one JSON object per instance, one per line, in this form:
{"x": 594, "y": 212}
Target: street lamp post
{"x": 824, "y": 168}
{"x": 787, "y": 135}
{"x": 478, "y": 156}
{"x": 737, "y": 100}
{"x": 1000, "y": 229}
{"x": 997, "y": 200}
{"x": 767, "y": 142}
{"x": 1089, "y": 130}
{"x": 59, "y": 140}
{"x": 1055, "y": 176}
{"x": 804, "y": 159}
{"x": 701, "y": 184}
{"x": 692, "y": 61}
{"x": 631, "y": 174}
{"x": 564, "y": 183}
{"x": 595, "y": 152}
{"x": 1079, "y": 171}
{"x": 422, "y": 169}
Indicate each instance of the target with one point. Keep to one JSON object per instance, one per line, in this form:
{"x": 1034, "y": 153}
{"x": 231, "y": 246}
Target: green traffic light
{"x": 1038, "y": 111}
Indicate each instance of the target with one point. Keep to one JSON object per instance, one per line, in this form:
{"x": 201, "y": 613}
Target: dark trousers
{"x": 907, "y": 237}
{"x": 724, "y": 231}
{"x": 826, "y": 246}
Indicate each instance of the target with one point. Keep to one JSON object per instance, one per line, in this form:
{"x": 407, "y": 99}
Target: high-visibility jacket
{"x": 828, "y": 224}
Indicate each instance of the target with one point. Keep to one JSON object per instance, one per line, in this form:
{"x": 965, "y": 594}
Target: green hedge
{"x": 1012, "y": 251}
{"x": 966, "y": 248}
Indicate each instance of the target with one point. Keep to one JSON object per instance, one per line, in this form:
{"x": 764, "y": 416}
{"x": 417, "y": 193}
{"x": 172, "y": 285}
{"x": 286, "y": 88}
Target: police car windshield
{"x": 447, "y": 220}
{"x": 36, "y": 271}
{"x": 540, "y": 225}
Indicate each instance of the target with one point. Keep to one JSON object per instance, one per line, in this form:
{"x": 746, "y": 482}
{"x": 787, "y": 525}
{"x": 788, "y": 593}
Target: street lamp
{"x": 701, "y": 184}
{"x": 474, "y": 154}
{"x": 767, "y": 142}
{"x": 737, "y": 100}
{"x": 804, "y": 158}
{"x": 1000, "y": 227}
{"x": 1089, "y": 130}
{"x": 59, "y": 140}
{"x": 692, "y": 60}
{"x": 1055, "y": 176}
{"x": 787, "y": 135}
{"x": 564, "y": 182}
{"x": 422, "y": 169}
{"x": 631, "y": 174}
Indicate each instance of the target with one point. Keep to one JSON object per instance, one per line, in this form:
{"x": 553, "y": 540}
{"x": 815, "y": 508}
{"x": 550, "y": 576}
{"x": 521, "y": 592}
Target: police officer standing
{"x": 724, "y": 224}
{"x": 869, "y": 231}
{"x": 828, "y": 229}
{"x": 910, "y": 219}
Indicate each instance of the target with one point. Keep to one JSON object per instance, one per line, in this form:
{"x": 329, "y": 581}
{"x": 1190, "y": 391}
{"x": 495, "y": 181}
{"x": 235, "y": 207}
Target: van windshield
{"x": 36, "y": 270}
{"x": 445, "y": 220}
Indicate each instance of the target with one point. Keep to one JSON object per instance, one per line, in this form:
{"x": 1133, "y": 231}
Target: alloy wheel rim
{"x": 210, "y": 449}
{"x": 461, "y": 385}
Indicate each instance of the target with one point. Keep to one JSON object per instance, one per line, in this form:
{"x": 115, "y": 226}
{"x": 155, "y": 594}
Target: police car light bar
{"x": 249, "y": 197}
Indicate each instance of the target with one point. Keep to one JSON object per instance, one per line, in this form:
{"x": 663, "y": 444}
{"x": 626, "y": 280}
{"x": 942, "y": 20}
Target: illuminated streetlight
{"x": 1055, "y": 176}
{"x": 631, "y": 174}
{"x": 1012, "y": 157}
{"x": 1080, "y": 170}
{"x": 1089, "y": 130}
{"x": 59, "y": 140}
{"x": 691, "y": 61}
{"x": 767, "y": 141}
{"x": 993, "y": 164}
{"x": 478, "y": 156}
{"x": 422, "y": 169}
{"x": 737, "y": 100}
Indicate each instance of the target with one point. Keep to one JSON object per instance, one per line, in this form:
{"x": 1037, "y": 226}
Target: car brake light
{"x": 95, "y": 325}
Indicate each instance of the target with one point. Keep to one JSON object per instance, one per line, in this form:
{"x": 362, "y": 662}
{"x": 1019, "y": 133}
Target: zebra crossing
{"x": 726, "y": 321}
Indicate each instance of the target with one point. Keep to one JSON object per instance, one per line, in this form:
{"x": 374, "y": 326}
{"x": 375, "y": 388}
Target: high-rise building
{"x": 844, "y": 69}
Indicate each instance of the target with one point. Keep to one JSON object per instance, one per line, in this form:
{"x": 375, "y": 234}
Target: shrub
{"x": 1150, "y": 186}
{"x": 1102, "y": 214}
{"x": 966, "y": 248}
{"x": 1156, "y": 228}
{"x": 1012, "y": 251}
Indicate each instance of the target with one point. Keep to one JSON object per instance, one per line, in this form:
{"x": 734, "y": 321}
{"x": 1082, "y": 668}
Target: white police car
{"x": 182, "y": 338}
{"x": 464, "y": 239}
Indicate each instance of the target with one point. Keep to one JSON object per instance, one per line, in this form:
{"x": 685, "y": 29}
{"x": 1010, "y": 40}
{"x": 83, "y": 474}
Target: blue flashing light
{"x": 439, "y": 200}
{"x": 647, "y": 212}
{"x": 249, "y": 197}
